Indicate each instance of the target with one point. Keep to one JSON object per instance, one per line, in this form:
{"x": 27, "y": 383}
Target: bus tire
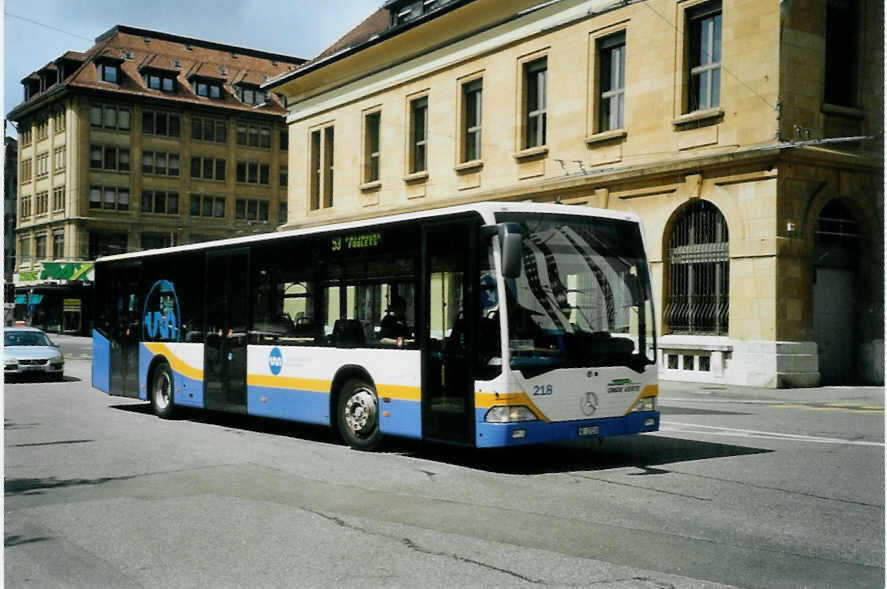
{"x": 162, "y": 392}
{"x": 357, "y": 415}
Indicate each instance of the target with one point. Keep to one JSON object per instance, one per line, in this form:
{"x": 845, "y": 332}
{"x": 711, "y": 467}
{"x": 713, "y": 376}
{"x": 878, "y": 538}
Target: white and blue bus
{"x": 491, "y": 324}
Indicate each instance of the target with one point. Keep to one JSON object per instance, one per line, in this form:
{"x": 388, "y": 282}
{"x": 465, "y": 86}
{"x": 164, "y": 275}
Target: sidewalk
{"x": 670, "y": 388}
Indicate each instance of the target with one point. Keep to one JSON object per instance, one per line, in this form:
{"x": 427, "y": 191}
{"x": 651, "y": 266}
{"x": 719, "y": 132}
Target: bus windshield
{"x": 583, "y": 295}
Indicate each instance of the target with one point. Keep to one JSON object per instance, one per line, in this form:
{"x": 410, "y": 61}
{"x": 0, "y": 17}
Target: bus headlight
{"x": 645, "y": 404}
{"x": 502, "y": 414}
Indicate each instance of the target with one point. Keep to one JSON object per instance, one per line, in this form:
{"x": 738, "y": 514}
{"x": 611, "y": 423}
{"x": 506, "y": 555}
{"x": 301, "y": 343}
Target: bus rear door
{"x": 225, "y": 337}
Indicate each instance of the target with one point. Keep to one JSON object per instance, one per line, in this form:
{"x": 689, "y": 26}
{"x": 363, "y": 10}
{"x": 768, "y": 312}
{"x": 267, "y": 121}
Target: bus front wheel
{"x": 358, "y": 415}
{"x": 162, "y": 392}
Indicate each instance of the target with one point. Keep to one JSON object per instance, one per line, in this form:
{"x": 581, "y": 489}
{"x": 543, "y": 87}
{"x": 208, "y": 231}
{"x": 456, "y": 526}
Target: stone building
{"x": 10, "y": 190}
{"x": 746, "y": 133}
{"x": 144, "y": 140}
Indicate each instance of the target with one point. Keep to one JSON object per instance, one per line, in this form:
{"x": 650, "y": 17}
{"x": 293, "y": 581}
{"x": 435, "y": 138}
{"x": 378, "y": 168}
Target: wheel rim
{"x": 360, "y": 412}
{"x": 162, "y": 390}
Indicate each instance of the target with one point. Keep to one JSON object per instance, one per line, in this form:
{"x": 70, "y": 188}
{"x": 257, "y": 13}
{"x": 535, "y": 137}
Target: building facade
{"x": 10, "y": 191}
{"x": 745, "y": 133}
{"x": 145, "y": 140}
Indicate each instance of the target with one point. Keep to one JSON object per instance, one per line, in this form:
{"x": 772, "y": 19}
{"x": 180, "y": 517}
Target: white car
{"x": 28, "y": 351}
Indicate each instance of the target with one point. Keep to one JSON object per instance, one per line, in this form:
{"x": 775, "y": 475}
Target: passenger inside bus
{"x": 393, "y": 328}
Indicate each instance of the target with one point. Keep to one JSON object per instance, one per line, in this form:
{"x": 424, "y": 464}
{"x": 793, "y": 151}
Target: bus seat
{"x": 348, "y": 332}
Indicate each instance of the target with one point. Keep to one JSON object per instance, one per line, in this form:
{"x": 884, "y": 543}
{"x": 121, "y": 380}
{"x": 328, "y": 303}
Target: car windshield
{"x": 582, "y": 297}
{"x": 25, "y": 338}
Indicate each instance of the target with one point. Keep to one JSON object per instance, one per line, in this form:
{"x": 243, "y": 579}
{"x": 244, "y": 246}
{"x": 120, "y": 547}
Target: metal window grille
{"x": 697, "y": 298}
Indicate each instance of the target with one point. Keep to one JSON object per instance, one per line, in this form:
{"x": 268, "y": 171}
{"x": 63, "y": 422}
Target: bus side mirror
{"x": 511, "y": 240}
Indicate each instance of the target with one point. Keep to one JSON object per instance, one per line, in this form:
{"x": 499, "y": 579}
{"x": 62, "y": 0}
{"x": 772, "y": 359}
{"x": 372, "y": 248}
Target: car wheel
{"x": 358, "y": 415}
{"x": 162, "y": 397}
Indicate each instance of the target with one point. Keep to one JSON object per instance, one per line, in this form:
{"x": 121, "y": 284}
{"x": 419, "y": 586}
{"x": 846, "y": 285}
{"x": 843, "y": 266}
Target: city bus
{"x": 487, "y": 325}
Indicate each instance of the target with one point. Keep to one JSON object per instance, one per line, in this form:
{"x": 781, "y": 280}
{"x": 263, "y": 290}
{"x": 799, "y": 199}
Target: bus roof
{"x": 486, "y": 210}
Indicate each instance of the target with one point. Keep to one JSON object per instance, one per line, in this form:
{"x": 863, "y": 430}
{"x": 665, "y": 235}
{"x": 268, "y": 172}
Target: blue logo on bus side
{"x": 275, "y": 361}
{"x": 160, "y": 319}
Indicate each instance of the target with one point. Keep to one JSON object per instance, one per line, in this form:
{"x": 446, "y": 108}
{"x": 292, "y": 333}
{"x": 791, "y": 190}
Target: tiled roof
{"x": 372, "y": 25}
{"x": 137, "y": 49}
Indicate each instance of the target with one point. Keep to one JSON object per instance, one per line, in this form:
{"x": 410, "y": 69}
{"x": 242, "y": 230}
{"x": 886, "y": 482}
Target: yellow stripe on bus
{"x": 175, "y": 362}
{"x": 316, "y": 385}
{"x": 399, "y": 392}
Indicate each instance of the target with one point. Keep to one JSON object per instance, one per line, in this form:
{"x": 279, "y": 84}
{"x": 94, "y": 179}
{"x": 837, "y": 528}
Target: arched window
{"x": 698, "y": 272}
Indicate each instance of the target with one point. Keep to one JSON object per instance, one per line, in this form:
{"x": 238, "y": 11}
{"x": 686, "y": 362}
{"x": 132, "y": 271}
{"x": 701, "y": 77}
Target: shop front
{"x": 55, "y": 296}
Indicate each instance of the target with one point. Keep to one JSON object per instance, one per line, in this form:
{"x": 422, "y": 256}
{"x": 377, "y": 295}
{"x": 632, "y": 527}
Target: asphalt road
{"x": 742, "y": 487}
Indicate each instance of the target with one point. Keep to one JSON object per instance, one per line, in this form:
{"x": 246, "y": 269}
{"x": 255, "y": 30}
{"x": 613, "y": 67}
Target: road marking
{"x": 851, "y": 407}
{"x": 674, "y": 426}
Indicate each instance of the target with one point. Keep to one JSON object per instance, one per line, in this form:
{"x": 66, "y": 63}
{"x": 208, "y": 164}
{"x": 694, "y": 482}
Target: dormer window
{"x": 403, "y": 12}
{"x": 250, "y": 94}
{"x": 156, "y": 81}
{"x": 109, "y": 68}
{"x": 108, "y": 72}
{"x": 403, "y": 15}
{"x": 206, "y": 88}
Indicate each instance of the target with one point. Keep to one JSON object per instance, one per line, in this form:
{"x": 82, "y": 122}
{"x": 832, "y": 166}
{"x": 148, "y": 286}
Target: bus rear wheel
{"x": 162, "y": 392}
{"x": 357, "y": 415}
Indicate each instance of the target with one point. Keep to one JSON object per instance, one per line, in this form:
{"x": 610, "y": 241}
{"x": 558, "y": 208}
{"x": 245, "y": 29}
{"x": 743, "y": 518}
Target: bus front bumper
{"x": 493, "y": 435}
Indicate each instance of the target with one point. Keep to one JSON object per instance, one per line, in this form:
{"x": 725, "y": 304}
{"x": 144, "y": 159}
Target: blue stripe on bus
{"x": 101, "y": 362}
{"x": 145, "y": 357}
{"x": 293, "y": 404}
{"x": 188, "y": 391}
{"x": 489, "y": 435}
{"x": 404, "y": 418}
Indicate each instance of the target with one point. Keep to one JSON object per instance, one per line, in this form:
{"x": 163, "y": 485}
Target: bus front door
{"x": 447, "y": 378}
{"x": 225, "y": 338}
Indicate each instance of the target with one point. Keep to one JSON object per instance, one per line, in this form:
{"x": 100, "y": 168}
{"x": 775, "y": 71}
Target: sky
{"x": 300, "y": 28}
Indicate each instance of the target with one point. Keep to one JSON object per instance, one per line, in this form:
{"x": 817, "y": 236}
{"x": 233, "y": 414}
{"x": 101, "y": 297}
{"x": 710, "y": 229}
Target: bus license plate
{"x": 590, "y": 430}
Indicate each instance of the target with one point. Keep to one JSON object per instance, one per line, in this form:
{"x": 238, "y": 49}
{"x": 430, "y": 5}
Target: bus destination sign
{"x": 356, "y": 241}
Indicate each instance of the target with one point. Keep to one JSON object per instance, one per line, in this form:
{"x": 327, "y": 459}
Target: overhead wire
{"x": 38, "y": 23}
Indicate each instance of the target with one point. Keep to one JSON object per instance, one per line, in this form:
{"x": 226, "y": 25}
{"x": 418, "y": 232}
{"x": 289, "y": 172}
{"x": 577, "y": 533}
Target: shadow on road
{"x": 236, "y": 422}
{"x": 15, "y": 540}
{"x": 38, "y": 379}
{"x": 11, "y": 425}
{"x": 38, "y": 486}
{"x": 641, "y": 451}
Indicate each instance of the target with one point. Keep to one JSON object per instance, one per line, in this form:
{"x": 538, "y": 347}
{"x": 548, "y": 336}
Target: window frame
{"x": 534, "y": 84}
{"x": 167, "y": 117}
{"x": 104, "y": 69}
{"x": 417, "y": 139}
{"x": 372, "y": 140}
{"x": 471, "y": 134}
{"x": 607, "y": 47}
{"x": 119, "y": 156}
{"x": 58, "y": 244}
{"x": 321, "y": 163}
{"x": 153, "y": 196}
{"x": 58, "y": 199}
{"x": 842, "y": 77}
{"x": 697, "y": 18}
{"x": 102, "y": 203}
